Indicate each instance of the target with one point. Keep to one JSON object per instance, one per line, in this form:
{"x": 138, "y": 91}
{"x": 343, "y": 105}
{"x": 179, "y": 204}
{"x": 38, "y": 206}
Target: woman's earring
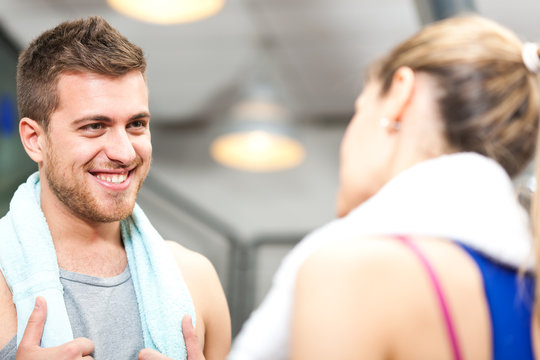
{"x": 387, "y": 124}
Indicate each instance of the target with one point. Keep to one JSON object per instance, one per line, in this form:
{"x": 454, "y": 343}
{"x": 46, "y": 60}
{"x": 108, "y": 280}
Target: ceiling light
{"x": 257, "y": 135}
{"x": 167, "y": 11}
{"x": 257, "y": 151}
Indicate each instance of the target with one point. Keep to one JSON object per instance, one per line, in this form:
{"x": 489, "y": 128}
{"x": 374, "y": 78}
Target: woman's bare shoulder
{"x": 378, "y": 283}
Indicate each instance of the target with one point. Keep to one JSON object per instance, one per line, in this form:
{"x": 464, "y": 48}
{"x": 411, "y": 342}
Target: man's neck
{"x": 92, "y": 248}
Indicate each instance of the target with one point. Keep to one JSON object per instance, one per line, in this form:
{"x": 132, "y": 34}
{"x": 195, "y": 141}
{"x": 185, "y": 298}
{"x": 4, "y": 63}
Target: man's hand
{"x": 29, "y": 348}
{"x": 193, "y": 347}
{"x": 149, "y": 354}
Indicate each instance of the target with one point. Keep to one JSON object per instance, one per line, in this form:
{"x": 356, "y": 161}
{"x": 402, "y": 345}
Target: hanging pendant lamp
{"x": 257, "y": 135}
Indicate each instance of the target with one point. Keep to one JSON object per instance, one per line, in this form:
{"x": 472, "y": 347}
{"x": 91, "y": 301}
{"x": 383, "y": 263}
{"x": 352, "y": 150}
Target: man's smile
{"x": 113, "y": 179}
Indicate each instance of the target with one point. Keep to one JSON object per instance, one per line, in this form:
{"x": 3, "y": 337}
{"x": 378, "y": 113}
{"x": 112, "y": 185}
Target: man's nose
{"x": 119, "y": 147}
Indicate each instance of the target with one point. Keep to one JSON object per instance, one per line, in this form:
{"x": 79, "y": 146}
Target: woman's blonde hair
{"x": 487, "y": 98}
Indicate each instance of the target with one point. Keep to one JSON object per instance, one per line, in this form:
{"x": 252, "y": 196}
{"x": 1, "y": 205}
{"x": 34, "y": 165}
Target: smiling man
{"x": 75, "y": 249}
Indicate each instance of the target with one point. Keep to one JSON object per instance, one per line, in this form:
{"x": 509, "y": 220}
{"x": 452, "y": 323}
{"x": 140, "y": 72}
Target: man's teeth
{"x": 115, "y": 179}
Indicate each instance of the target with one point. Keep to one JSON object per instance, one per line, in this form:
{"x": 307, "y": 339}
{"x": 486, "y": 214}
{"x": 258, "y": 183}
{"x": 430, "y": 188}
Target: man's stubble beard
{"x": 77, "y": 197}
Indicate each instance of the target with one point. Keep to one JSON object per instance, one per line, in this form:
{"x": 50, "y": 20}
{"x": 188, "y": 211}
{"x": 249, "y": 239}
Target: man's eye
{"x": 94, "y": 126}
{"x": 137, "y": 124}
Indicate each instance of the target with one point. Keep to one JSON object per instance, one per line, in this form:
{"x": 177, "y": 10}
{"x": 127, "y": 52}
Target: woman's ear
{"x": 400, "y": 93}
{"x": 32, "y": 137}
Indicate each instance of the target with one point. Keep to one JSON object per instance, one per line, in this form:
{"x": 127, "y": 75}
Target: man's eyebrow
{"x": 84, "y": 119}
{"x": 106, "y": 119}
{"x": 140, "y": 115}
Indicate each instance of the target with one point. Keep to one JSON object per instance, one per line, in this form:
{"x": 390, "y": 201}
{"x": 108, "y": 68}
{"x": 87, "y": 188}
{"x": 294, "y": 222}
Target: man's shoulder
{"x": 192, "y": 264}
{"x": 197, "y": 270}
{"x": 202, "y": 280}
{"x": 5, "y": 293}
{"x": 6, "y": 299}
{"x": 8, "y": 313}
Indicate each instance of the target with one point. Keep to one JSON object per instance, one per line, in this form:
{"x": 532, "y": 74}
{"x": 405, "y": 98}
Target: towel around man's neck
{"x": 29, "y": 265}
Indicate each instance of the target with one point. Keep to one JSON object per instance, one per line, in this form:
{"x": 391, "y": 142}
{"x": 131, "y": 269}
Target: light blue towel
{"x": 29, "y": 264}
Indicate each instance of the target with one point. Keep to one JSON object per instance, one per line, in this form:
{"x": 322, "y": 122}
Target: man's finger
{"x": 149, "y": 354}
{"x": 36, "y": 322}
{"x": 85, "y": 345}
{"x": 193, "y": 346}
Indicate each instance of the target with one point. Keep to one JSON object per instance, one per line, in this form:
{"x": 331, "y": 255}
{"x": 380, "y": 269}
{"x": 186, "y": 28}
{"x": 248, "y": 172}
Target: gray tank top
{"x": 102, "y": 309}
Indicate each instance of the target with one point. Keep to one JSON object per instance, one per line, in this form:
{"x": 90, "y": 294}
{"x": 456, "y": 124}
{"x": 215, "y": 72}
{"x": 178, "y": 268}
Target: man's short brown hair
{"x": 83, "y": 45}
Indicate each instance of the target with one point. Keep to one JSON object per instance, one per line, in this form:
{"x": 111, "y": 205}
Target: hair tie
{"x": 529, "y": 53}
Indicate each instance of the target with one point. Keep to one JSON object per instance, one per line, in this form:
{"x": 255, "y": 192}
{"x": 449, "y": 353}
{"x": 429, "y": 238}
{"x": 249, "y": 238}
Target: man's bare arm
{"x": 213, "y": 323}
{"x": 8, "y": 314}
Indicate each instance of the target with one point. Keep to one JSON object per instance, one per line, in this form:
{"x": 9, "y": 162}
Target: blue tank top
{"x": 511, "y": 299}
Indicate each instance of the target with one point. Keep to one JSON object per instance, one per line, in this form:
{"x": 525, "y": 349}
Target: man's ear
{"x": 32, "y": 137}
{"x": 400, "y": 93}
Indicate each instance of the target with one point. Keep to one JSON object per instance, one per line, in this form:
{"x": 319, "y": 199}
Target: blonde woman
{"x": 423, "y": 260}
{"x": 434, "y": 274}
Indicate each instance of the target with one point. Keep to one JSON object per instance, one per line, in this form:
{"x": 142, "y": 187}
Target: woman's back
{"x": 381, "y": 303}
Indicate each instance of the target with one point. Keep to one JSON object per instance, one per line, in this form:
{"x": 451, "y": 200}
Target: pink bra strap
{"x": 440, "y": 295}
